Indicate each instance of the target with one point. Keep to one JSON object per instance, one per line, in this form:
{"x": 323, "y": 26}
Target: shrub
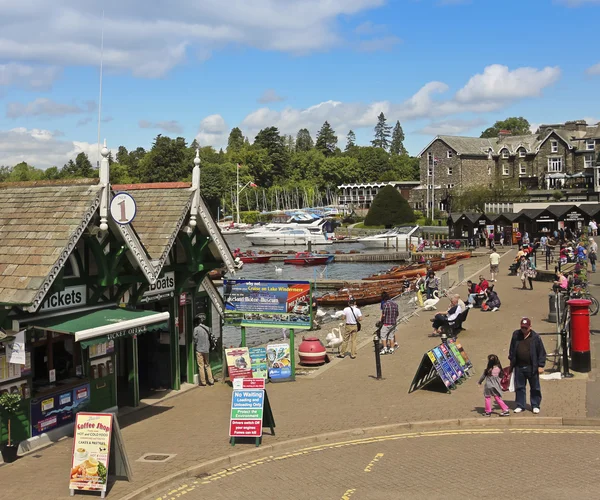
{"x": 389, "y": 208}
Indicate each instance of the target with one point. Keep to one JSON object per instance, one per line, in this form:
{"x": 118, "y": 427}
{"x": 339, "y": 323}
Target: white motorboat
{"x": 289, "y": 236}
{"x": 398, "y": 238}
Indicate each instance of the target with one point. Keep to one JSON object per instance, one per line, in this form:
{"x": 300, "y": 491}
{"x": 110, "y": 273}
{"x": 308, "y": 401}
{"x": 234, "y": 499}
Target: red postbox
{"x": 581, "y": 359}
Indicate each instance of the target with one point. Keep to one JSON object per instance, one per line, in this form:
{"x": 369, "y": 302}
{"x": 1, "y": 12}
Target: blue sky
{"x": 197, "y": 69}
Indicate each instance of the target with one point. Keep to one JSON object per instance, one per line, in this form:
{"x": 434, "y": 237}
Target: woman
{"x": 493, "y": 301}
{"x": 526, "y": 272}
{"x": 432, "y": 283}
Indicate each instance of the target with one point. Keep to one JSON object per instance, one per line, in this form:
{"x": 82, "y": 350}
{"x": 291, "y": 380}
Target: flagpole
{"x": 237, "y": 198}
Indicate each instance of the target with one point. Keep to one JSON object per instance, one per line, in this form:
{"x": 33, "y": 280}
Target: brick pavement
{"x": 441, "y": 464}
{"x": 194, "y": 425}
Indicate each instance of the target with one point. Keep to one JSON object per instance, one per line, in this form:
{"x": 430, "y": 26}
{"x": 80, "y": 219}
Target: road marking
{"x": 226, "y": 473}
{"x": 369, "y": 467}
{"x": 348, "y": 494}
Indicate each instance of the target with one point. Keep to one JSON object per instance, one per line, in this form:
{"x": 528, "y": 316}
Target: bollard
{"x": 377, "y": 354}
{"x": 581, "y": 359}
{"x": 552, "y": 308}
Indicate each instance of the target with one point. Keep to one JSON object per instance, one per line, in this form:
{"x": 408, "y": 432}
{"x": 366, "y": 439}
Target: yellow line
{"x": 369, "y": 467}
{"x": 347, "y": 494}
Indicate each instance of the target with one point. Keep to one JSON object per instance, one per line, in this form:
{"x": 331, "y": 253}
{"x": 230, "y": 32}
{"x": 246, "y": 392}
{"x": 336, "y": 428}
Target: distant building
{"x": 362, "y": 195}
{"x": 558, "y": 157}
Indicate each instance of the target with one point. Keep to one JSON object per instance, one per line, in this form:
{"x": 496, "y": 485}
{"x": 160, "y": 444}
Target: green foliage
{"x": 350, "y": 140}
{"x": 557, "y": 195}
{"x": 250, "y": 217}
{"x": 397, "y": 144}
{"x": 167, "y": 161}
{"x": 304, "y": 141}
{"x": 382, "y": 133}
{"x": 475, "y": 198}
{"x": 270, "y": 140}
{"x": 10, "y": 402}
{"x": 326, "y": 140}
{"x": 236, "y": 140}
{"x": 516, "y": 125}
{"x": 390, "y": 209}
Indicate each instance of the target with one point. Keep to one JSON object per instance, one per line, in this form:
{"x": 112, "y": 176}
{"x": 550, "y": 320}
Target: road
{"x": 445, "y": 464}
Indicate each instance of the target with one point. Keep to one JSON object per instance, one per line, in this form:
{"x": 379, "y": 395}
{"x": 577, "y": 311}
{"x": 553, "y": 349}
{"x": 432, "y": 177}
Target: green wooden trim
{"x": 174, "y": 345}
{"x": 192, "y": 367}
{"x": 134, "y": 374}
{"x": 98, "y": 253}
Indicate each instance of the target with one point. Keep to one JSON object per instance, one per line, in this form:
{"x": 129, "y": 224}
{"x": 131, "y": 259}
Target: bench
{"x": 453, "y": 328}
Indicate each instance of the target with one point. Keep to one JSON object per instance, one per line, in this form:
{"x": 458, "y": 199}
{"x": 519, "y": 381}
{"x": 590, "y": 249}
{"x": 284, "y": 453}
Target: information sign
{"x": 279, "y": 361}
{"x": 258, "y": 356}
{"x": 246, "y": 413}
{"x": 238, "y": 363}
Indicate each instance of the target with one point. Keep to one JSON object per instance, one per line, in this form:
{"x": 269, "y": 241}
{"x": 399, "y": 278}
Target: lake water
{"x": 339, "y": 271}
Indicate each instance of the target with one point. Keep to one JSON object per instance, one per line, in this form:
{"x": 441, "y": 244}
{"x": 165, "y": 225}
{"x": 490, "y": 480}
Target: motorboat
{"x": 250, "y": 257}
{"x": 307, "y": 259}
{"x": 397, "y": 238}
{"x": 291, "y": 235}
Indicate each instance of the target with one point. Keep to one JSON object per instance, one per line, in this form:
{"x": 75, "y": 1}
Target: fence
{"x": 408, "y": 305}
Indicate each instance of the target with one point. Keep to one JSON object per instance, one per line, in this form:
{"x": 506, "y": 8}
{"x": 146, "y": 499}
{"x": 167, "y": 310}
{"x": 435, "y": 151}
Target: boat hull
{"x": 308, "y": 261}
{"x": 258, "y": 259}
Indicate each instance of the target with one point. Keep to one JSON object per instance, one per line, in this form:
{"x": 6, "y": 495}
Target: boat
{"x": 307, "y": 259}
{"x": 290, "y": 236}
{"x": 398, "y": 238}
{"x": 400, "y": 274}
{"x": 364, "y": 293}
{"x": 250, "y": 257}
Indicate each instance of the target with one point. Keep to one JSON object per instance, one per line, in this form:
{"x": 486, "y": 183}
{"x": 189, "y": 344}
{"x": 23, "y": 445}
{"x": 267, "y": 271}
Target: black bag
{"x": 214, "y": 342}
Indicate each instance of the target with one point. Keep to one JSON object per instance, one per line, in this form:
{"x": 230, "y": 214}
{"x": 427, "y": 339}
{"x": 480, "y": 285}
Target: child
{"x": 492, "y": 387}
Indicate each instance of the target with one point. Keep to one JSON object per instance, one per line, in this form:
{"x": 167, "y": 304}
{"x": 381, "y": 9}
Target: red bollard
{"x": 581, "y": 359}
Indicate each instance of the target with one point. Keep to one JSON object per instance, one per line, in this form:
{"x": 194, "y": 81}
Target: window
{"x": 430, "y": 157}
{"x": 449, "y": 154}
{"x": 522, "y": 168}
{"x": 505, "y": 170}
{"x": 449, "y": 170}
{"x": 522, "y": 153}
{"x": 429, "y": 170}
{"x": 489, "y": 170}
{"x": 589, "y": 161}
{"x": 589, "y": 144}
{"x": 554, "y": 146}
{"x": 555, "y": 164}
{"x": 449, "y": 186}
{"x": 505, "y": 153}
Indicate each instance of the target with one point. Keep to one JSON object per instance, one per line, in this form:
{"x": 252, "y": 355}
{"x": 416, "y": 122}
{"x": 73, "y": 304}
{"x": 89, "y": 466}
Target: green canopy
{"x": 99, "y": 326}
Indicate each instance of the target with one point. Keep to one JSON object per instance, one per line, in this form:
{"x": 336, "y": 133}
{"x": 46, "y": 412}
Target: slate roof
{"x": 160, "y": 214}
{"x": 40, "y": 223}
{"x": 468, "y": 145}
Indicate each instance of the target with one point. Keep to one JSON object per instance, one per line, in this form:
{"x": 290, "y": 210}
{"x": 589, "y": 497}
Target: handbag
{"x": 505, "y": 380}
{"x": 511, "y": 385}
{"x": 358, "y": 325}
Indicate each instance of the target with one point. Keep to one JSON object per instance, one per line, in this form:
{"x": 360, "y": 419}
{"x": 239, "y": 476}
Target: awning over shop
{"x": 99, "y": 326}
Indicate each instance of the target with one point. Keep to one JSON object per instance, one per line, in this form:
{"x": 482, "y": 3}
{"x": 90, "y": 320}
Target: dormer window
{"x": 589, "y": 144}
{"x": 522, "y": 152}
{"x": 505, "y": 153}
{"x": 554, "y": 146}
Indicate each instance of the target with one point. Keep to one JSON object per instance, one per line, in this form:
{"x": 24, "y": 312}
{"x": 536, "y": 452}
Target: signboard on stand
{"x": 238, "y": 363}
{"x": 258, "y": 356}
{"x": 250, "y": 411}
{"x": 268, "y": 303}
{"x": 279, "y": 365}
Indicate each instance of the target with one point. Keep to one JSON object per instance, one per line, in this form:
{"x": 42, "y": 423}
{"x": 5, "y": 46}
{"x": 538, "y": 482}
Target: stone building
{"x": 557, "y": 157}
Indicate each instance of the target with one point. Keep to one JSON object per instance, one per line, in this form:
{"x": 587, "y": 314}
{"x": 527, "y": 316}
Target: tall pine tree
{"x": 304, "y": 141}
{"x": 236, "y": 140}
{"x": 382, "y": 133}
{"x": 350, "y": 140}
{"x": 326, "y": 140}
{"x": 397, "y": 145}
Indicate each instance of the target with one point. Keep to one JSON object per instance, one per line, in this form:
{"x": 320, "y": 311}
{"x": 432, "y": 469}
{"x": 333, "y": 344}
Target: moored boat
{"x": 250, "y": 257}
{"x": 308, "y": 259}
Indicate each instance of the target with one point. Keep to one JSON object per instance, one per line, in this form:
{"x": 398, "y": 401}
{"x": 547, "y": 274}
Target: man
{"x": 389, "y": 318}
{"x": 353, "y": 317}
{"x": 444, "y": 319}
{"x": 593, "y": 255}
{"x": 527, "y": 358}
{"x": 460, "y": 302}
{"x": 494, "y": 263}
{"x": 202, "y": 343}
{"x": 474, "y": 291}
{"x": 483, "y": 283}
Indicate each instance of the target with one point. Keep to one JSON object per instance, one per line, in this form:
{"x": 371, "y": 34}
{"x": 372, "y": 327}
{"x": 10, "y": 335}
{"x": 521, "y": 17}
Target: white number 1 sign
{"x": 123, "y": 208}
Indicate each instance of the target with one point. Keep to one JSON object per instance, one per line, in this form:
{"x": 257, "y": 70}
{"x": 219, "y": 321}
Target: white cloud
{"x": 577, "y": 3}
{"x": 494, "y": 89}
{"x": 370, "y": 28}
{"x": 44, "y": 107}
{"x": 593, "y": 70}
{"x": 40, "y": 148}
{"x": 28, "y": 77}
{"x": 170, "y": 126}
{"x": 149, "y": 40}
{"x": 451, "y": 127}
{"x": 270, "y": 95}
{"x": 213, "y": 131}
{"x": 379, "y": 44}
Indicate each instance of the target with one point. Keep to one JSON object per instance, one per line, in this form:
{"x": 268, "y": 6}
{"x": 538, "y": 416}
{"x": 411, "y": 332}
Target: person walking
{"x": 201, "y": 338}
{"x": 432, "y": 283}
{"x": 527, "y": 357}
{"x": 593, "y": 254}
{"x": 494, "y": 263}
{"x": 389, "y": 318}
{"x": 492, "y": 387}
{"x": 420, "y": 287}
{"x": 526, "y": 272}
{"x": 502, "y": 239}
{"x": 353, "y": 317}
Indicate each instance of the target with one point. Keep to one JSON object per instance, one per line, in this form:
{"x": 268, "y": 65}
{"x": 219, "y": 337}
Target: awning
{"x": 104, "y": 324}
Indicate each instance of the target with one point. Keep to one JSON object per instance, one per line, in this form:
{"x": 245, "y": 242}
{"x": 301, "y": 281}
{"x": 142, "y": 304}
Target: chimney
{"x": 504, "y": 133}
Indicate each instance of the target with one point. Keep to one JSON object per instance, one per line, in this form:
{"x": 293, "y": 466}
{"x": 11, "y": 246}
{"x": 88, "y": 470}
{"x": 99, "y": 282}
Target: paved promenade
{"x": 194, "y": 425}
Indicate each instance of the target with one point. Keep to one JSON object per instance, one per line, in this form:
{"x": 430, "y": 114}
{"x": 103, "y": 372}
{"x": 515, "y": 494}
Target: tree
{"x": 404, "y": 168}
{"x": 350, "y": 140}
{"x": 326, "y": 140}
{"x": 167, "y": 161}
{"x": 122, "y": 156}
{"x": 390, "y": 209}
{"x": 236, "y": 140}
{"x": 269, "y": 139}
{"x": 397, "y": 144}
{"x": 304, "y": 141}
{"x": 290, "y": 143}
{"x": 382, "y": 133}
{"x": 373, "y": 162}
{"x": 23, "y": 172}
{"x": 516, "y": 125}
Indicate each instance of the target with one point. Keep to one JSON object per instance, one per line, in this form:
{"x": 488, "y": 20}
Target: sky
{"x": 199, "y": 68}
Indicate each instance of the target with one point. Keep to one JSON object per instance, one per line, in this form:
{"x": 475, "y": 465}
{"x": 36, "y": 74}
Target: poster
{"x": 238, "y": 363}
{"x": 450, "y": 373}
{"x": 246, "y": 413}
{"x": 258, "y": 355}
{"x": 56, "y": 410}
{"x": 279, "y": 364}
{"x": 438, "y": 368}
{"x": 16, "y": 349}
{"x": 268, "y": 303}
{"x": 454, "y": 364}
{"x": 91, "y": 450}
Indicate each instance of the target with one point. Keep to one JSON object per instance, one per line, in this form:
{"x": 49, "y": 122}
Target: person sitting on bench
{"x": 474, "y": 291}
{"x": 441, "y": 320}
